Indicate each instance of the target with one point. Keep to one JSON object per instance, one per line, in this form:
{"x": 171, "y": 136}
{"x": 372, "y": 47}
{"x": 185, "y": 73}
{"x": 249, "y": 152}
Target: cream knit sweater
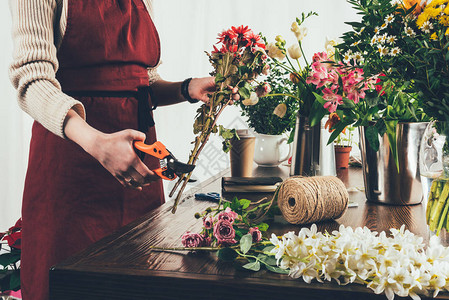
{"x": 38, "y": 30}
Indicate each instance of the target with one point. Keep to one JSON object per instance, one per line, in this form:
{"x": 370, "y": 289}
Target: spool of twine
{"x": 305, "y": 200}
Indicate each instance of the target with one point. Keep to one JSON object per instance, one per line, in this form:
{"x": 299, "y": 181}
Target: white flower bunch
{"x": 399, "y": 264}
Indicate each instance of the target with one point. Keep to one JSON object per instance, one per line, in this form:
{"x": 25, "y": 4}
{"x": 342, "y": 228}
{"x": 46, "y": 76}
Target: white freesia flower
{"x": 294, "y": 51}
{"x": 299, "y": 31}
{"x": 399, "y": 264}
{"x": 274, "y": 51}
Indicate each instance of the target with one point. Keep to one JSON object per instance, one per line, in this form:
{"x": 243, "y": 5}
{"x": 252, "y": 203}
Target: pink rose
{"x": 256, "y": 234}
{"x": 190, "y": 240}
{"x": 224, "y": 232}
{"x": 228, "y": 215}
{"x": 207, "y": 241}
{"x": 208, "y": 222}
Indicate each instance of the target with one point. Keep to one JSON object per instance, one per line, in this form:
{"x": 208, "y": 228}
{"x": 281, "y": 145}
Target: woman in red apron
{"x": 86, "y": 186}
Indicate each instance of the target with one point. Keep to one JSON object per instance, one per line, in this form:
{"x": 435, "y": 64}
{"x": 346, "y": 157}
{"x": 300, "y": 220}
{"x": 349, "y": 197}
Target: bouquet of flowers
{"x": 10, "y": 249}
{"x": 378, "y": 45}
{"x": 235, "y": 231}
{"x": 237, "y": 61}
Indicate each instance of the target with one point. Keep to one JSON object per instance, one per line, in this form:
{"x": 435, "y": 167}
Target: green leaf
{"x": 318, "y": 111}
{"x": 263, "y": 226}
{"x": 245, "y": 243}
{"x": 268, "y": 248}
{"x": 227, "y": 254}
{"x": 371, "y": 135}
{"x": 276, "y": 270}
{"x": 391, "y": 134}
{"x": 235, "y": 204}
{"x": 219, "y": 78}
{"x": 244, "y": 203}
{"x": 253, "y": 266}
{"x": 244, "y": 93}
{"x": 267, "y": 259}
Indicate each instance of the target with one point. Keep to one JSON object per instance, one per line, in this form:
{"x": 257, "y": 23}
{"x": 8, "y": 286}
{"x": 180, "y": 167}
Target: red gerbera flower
{"x": 227, "y": 37}
{"x": 254, "y": 40}
{"x": 242, "y": 34}
{"x": 241, "y": 30}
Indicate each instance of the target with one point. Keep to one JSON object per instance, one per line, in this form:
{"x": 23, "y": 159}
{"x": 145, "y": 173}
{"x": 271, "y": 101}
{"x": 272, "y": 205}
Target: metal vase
{"x": 383, "y": 183}
{"x": 311, "y": 154}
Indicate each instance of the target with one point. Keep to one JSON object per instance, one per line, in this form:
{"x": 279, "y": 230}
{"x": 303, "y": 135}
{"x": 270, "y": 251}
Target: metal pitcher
{"x": 312, "y": 156}
{"x": 383, "y": 183}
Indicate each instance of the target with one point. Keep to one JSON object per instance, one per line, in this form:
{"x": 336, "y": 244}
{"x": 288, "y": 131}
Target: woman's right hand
{"x": 114, "y": 151}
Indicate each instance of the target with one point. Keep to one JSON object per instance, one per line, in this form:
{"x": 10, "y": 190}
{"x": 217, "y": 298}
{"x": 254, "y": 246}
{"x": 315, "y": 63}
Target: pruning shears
{"x": 170, "y": 166}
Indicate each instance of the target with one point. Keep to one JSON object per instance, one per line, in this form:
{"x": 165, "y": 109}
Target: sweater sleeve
{"x": 34, "y": 66}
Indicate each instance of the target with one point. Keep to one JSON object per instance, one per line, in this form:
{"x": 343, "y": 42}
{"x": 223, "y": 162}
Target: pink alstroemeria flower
{"x": 333, "y": 100}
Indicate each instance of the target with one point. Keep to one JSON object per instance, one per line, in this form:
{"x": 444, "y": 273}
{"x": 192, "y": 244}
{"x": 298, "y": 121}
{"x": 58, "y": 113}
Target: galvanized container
{"x": 383, "y": 182}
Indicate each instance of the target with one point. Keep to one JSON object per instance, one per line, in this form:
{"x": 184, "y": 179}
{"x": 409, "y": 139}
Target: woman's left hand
{"x": 201, "y": 88}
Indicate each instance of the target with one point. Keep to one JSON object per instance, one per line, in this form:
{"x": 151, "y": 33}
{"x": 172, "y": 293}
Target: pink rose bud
{"x": 228, "y": 215}
{"x": 190, "y": 240}
{"x": 256, "y": 234}
{"x": 208, "y": 222}
{"x": 224, "y": 233}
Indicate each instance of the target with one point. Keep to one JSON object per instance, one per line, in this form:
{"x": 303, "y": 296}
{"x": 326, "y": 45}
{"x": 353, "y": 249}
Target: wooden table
{"x": 122, "y": 266}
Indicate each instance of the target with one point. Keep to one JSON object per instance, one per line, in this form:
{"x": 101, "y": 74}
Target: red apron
{"x": 70, "y": 200}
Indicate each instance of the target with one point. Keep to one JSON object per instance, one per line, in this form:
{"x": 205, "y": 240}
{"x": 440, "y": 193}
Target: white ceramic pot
{"x": 271, "y": 150}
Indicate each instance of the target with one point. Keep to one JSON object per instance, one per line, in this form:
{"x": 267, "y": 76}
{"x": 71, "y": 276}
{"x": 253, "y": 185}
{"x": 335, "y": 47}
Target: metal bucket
{"x": 383, "y": 183}
{"x": 311, "y": 154}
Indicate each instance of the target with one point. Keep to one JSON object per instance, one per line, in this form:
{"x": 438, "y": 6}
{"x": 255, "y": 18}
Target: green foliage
{"x": 260, "y": 116}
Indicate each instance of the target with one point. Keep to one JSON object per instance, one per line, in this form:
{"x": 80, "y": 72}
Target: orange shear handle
{"x": 157, "y": 149}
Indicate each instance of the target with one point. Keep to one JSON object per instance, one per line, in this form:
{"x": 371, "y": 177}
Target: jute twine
{"x": 305, "y": 200}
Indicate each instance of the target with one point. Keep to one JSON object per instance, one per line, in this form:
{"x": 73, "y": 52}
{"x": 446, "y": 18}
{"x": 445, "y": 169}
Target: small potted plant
{"x": 271, "y": 115}
{"x": 343, "y": 142}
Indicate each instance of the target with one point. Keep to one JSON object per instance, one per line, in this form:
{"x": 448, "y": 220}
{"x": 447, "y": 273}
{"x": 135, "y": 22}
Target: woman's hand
{"x": 115, "y": 151}
{"x": 201, "y": 88}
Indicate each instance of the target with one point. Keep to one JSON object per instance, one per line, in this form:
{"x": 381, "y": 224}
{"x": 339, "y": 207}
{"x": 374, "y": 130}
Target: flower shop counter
{"x": 122, "y": 265}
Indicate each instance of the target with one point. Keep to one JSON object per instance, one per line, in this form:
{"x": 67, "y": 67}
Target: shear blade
{"x": 179, "y": 167}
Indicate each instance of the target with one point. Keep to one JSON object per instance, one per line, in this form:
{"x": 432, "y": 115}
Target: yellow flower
{"x": 422, "y": 18}
{"x": 434, "y": 36}
{"x": 447, "y": 32}
{"x": 444, "y": 20}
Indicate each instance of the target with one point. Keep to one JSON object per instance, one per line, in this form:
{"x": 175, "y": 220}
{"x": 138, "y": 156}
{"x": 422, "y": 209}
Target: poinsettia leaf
{"x": 7, "y": 259}
{"x": 14, "y": 280}
{"x": 276, "y": 270}
{"x": 253, "y": 266}
{"x": 227, "y": 254}
{"x": 245, "y": 243}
